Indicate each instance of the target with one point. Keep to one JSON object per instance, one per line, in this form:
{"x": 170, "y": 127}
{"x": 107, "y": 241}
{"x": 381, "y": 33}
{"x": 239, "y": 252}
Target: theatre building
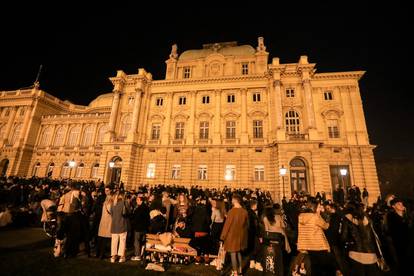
{"x": 225, "y": 115}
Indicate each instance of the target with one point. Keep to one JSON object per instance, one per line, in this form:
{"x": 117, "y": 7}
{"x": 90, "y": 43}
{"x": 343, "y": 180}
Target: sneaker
{"x": 122, "y": 260}
{"x": 258, "y": 267}
{"x": 113, "y": 259}
{"x": 135, "y": 258}
{"x": 252, "y": 264}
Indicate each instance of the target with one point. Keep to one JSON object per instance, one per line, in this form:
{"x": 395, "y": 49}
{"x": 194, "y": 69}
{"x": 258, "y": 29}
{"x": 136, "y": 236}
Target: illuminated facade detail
{"x": 223, "y": 115}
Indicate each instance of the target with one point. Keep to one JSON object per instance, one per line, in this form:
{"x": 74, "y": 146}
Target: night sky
{"x": 80, "y": 47}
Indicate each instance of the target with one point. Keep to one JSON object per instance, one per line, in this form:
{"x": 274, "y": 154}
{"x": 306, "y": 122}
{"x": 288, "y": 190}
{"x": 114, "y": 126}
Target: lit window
{"x": 204, "y": 126}
{"x": 155, "y": 132}
{"x": 245, "y": 68}
{"x": 182, "y": 100}
{"x": 290, "y": 93}
{"x": 333, "y": 129}
{"x": 258, "y": 129}
{"x": 74, "y": 134}
{"x": 179, "y": 130}
{"x": 159, "y": 101}
{"x": 202, "y": 172}
{"x": 259, "y": 173}
{"x": 176, "y": 172}
{"x": 230, "y": 129}
{"x": 231, "y": 98}
{"x": 88, "y": 133}
{"x": 95, "y": 171}
{"x": 151, "y": 170}
{"x": 230, "y": 172}
{"x": 205, "y": 99}
{"x": 187, "y": 72}
{"x": 257, "y": 97}
{"x": 292, "y": 122}
{"x": 328, "y": 95}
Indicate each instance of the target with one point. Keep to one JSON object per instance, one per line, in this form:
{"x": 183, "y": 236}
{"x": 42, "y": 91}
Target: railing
{"x": 203, "y": 141}
{"x": 297, "y": 136}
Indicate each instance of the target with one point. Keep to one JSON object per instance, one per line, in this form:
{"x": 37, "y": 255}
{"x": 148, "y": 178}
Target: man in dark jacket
{"x": 200, "y": 225}
{"x": 140, "y": 222}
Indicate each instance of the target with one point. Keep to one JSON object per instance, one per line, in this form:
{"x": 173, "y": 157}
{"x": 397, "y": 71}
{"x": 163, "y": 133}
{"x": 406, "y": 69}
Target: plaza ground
{"x": 28, "y": 251}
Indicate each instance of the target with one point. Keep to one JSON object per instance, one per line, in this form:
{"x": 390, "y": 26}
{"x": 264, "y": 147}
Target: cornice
{"x": 357, "y": 75}
{"x": 208, "y": 80}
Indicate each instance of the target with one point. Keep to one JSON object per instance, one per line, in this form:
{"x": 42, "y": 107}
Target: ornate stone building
{"x": 222, "y": 116}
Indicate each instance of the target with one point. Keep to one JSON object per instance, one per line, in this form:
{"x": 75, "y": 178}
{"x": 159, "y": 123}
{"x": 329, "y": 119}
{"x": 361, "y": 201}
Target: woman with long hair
{"x": 235, "y": 234}
{"x": 119, "y": 228}
{"x": 218, "y": 214}
{"x": 104, "y": 231}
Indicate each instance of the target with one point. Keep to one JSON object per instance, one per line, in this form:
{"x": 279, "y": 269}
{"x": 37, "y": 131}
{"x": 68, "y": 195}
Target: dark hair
{"x": 270, "y": 214}
{"x": 238, "y": 198}
{"x": 253, "y": 202}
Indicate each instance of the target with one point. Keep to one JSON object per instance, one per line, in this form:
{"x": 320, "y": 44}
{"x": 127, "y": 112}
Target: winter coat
{"x": 140, "y": 219}
{"x": 235, "y": 230}
{"x": 358, "y": 237}
{"x": 119, "y": 219}
{"x": 106, "y": 221}
{"x": 310, "y": 233}
{"x": 200, "y": 219}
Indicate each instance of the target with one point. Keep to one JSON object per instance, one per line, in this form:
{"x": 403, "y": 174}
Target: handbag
{"x": 382, "y": 264}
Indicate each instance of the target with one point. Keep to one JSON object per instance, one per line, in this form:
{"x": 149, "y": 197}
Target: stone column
{"x": 114, "y": 111}
{"x": 309, "y": 103}
{"x": 244, "y": 134}
{"x": 190, "y": 136}
{"x": 135, "y": 113}
{"x": 167, "y": 122}
{"x": 278, "y": 101}
{"x": 217, "y": 117}
{"x": 26, "y": 122}
{"x": 10, "y": 122}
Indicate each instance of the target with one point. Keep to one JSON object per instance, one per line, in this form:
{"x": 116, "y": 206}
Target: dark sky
{"x": 80, "y": 47}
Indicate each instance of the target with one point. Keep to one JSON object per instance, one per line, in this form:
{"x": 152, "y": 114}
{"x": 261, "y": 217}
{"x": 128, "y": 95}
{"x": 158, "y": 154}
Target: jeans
{"x": 118, "y": 239}
{"x": 139, "y": 240}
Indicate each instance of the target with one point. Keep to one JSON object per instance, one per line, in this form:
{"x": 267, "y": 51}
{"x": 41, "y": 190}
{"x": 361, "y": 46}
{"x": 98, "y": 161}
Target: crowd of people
{"x": 302, "y": 235}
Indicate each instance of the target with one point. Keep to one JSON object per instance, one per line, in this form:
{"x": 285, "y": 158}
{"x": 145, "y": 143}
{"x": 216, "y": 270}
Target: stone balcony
{"x": 297, "y": 136}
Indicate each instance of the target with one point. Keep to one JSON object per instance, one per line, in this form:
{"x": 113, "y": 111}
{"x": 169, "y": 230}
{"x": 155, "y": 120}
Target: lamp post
{"x": 283, "y": 172}
{"x": 111, "y": 166}
{"x": 344, "y": 172}
{"x": 72, "y": 164}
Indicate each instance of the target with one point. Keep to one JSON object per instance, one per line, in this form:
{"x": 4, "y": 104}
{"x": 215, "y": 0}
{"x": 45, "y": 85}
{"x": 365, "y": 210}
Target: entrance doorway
{"x": 298, "y": 176}
{"x": 115, "y": 170}
{"x": 340, "y": 177}
{"x": 4, "y": 164}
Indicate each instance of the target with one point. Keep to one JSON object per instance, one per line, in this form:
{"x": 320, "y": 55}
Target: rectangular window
{"x": 176, "y": 172}
{"x": 230, "y": 129}
{"x": 245, "y": 68}
{"x": 182, "y": 100}
{"x": 155, "y": 132}
{"x": 333, "y": 129}
{"x": 130, "y": 100}
{"x": 256, "y": 97}
{"x": 159, "y": 101}
{"x": 259, "y": 173}
{"x": 205, "y": 100}
{"x": 328, "y": 95}
{"x": 151, "y": 170}
{"x": 187, "y": 72}
{"x": 258, "y": 129}
{"x": 22, "y": 111}
{"x": 179, "y": 130}
{"x": 290, "y": 93}
{"x": 95, "y": 170}
{"x": 231, "y": 98}
{"x": 202, "y": 172}
{"x": 204, "y": 126}
{"x": 230, "y": 172}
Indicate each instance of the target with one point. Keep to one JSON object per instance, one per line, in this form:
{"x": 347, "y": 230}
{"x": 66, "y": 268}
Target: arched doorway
{"x": 4, "y": 164}
{"x": 115, "y": 169}
{"x": 298, "y": 175}
{"x": 36, "y": 169}
{"x": 49, "y": 170}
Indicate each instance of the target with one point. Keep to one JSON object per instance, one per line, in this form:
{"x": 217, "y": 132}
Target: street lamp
{"x": 72, "y": 164}
{"x": 111, "y": 164}
{"x": 283, "y": 172}
{"x": 344, "y": 173}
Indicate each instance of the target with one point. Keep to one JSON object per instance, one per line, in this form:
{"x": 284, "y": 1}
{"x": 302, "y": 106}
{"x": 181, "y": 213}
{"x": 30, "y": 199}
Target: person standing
{"x": 235, "y": 233}
{"x": 218, "y": 214}
{"x": 365, "y": 197}
{"x": 105, "y": 224}
{"x": 119, "y": 228}
{"x": 140, "y": 222}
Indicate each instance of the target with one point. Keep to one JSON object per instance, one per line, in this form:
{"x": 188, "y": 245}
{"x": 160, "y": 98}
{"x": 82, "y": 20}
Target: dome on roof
{"x": 242, "y": 50}
{"x": 102, "y": 101}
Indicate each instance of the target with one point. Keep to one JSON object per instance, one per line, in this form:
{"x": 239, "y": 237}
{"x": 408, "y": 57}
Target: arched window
{"x": 292, "y": 122}
{"x": 36, "y": 169}
{"x": 298, "y": 175}
{"x": 49, "y": 170}
{"x": 297, "y": 163}
{"x": 59, "y": 137}
{"x": 79, "y": 170}
{"x": 65, "y": 170}
{"x": 46, "y": 136}
{"x": 125, "y": 126}
{"x": 16, "y": 134}
{"x": 101, "y": 134}
{"x": 95, "y": 171}
{"x": 88, "y": 134}
{"x": 73, "y": 136}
